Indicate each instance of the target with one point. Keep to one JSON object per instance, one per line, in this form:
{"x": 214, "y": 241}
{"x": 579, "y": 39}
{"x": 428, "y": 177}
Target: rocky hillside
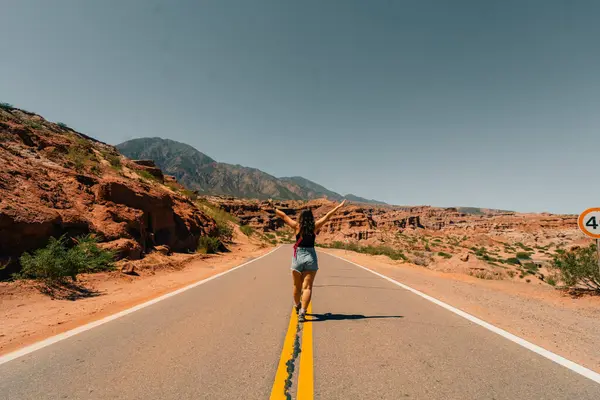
{"x": 54, "y": 180}
{"x": 380, "y": 224}
{"x": 498, "y": 243}
{"x": 201, "y": 173}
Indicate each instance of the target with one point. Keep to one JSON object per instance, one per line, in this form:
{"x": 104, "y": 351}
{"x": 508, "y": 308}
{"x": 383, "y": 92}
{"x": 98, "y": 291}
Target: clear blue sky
{"x": 475, "y": 103}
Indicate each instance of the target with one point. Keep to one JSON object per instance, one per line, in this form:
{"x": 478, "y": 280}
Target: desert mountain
{"x": 199, "y": 172}
{"x": 358, "y": 199}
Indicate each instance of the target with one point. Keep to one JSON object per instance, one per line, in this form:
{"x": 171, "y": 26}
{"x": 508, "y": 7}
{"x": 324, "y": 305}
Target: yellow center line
{"x": 306, "y": 375}
{"x": 278, "y": 390}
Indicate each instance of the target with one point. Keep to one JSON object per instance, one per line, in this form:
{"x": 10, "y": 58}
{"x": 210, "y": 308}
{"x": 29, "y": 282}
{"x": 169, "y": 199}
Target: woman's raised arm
{"x": 319, "y": 224}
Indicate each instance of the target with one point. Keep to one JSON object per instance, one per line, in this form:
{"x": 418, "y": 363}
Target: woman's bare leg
{"x": 297, "y": 276}
{"x": 308, "y": 278}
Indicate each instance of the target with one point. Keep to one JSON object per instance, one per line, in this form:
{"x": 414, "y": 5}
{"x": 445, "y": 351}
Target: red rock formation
{"x": 380, "y": 224}
{"x": 54, "y": 180}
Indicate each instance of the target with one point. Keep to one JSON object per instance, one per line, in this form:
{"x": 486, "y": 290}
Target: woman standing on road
{"x": 304, "y": 263}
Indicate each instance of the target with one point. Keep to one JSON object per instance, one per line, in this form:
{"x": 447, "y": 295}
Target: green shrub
{"x": 247, "y": 230}
{"x": 445, "y": 255}
{"x": 551, "y": 281}
{"x": 523, "y": 255}
{"x": 96, "y": 259}
{"x": 62, "y": 125}
{"x": 209, "y": 245}
{"x": 579, "y": 267}
{"x": 270, "y": 235}
{"x": 513, "y": 261}
{"x": 530, "y": 268}
{"x": 56, "y": 262}
{"x": 6, "y": 106}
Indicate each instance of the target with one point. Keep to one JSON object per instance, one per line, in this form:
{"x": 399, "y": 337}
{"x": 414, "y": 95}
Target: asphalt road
{"x": 225, "y": 339}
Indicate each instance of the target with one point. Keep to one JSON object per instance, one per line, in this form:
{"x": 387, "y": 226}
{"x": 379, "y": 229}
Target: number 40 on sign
{"x": 589, "y": 222}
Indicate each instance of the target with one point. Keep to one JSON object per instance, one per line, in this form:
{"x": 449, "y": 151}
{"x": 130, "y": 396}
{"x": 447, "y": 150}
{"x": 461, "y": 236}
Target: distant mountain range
{"x": 199, "y": 172}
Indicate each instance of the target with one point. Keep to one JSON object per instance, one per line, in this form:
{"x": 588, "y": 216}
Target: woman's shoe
{"x": 302, "y": 315}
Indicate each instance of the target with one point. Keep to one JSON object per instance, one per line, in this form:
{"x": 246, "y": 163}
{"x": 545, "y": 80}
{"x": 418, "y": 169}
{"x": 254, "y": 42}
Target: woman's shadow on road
{"x": 344, "y": 317}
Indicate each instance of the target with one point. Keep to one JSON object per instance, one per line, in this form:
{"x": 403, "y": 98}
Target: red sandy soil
{"x": 534, "y": 311}
{"x": 29, "y": 316}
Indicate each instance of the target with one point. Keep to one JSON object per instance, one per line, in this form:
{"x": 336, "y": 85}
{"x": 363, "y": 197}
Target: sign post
{"x": 589, "y": 223}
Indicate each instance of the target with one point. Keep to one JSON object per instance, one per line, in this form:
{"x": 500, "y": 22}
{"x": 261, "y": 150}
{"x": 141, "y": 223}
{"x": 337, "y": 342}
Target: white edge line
{"x": 581, "y": 370}
{"x": 65, "y": 335}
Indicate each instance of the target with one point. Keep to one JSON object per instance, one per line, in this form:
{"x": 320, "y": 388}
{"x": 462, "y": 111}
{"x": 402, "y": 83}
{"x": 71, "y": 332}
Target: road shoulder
{"x": 29, "y": 316}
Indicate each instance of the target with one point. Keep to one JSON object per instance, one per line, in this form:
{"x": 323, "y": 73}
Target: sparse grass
{"x": 189, "y": 194}
{"x": 221, "y": 217}
{"x": 113, "y": 159}
{"x": 145, "y": 175}
{"x": 484, "y": 275}
{"x": 521, "y": 255}
{"x": 81, "y": 154}
{"x": 445, "y": 255}
{"x": 173, "y": 187}
{"x": 509, "y": 249}
{"x": 390, "y": 252}
{"x": 56, "y": 262}
{"x": 483, "y": 254}
{"x": 79, "y": 157}
{"x": 95, "y": 169}
{"x": 531, "y": 268}
{"x": 526, "y": 248}
{"x": 209, "y": 245}
{"x": 33, "y": 124}
{"x": 247, "y": 230}
{"x": 551, "y": 281}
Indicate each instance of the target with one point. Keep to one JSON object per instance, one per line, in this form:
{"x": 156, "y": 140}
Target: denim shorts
{"x": 306, "y": 260}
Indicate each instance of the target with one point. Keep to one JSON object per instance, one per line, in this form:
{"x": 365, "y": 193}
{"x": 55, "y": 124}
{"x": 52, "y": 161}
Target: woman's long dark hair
{"x": 307, "y": 223}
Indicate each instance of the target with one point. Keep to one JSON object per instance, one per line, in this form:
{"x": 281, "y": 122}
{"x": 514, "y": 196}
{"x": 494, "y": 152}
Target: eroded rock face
{"x": 382, "y": 224}
{"x": 54, "y": 180}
